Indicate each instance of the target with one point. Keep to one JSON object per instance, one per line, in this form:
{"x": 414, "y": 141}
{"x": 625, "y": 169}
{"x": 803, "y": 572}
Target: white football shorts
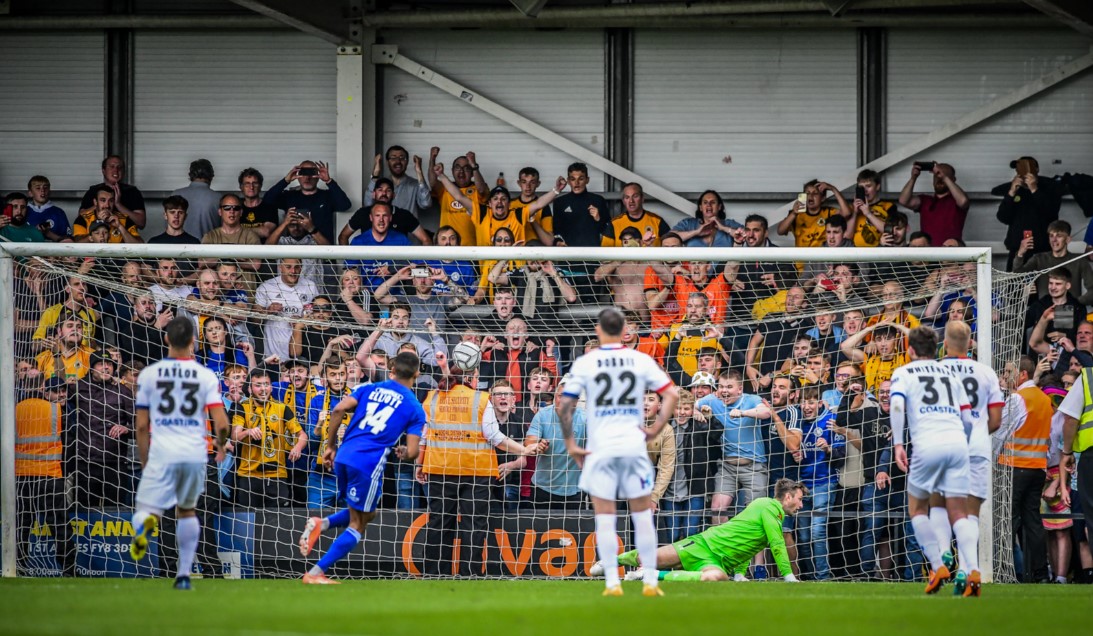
{"x": 979, "y": 480}
{"x": 617, "y": 477}
{"x": 941, "y": 468}
{"x": 163, "y": 486}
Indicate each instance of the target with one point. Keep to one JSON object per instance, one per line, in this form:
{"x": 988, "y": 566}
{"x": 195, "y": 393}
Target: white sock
{"x": 967, "y": 542}
{"x": 939, "y": 521}
{"x": 187, "y": 536}
{"x": 645, "y": 540}
{"x": 607, "y": 546}
{"x": 138, "y": 520}
{"x": 924, "y": 534}
{"x": 325, "y": 523}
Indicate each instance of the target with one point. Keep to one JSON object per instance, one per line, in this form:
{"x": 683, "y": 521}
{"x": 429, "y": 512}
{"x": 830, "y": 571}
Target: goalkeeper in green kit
{"x": 729, "y": 547}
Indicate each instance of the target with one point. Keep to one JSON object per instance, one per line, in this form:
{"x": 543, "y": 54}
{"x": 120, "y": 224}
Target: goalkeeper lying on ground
{"x": 729, "y": 547}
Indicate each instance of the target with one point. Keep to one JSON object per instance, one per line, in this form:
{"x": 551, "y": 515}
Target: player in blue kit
{"x": 382, "y": 412}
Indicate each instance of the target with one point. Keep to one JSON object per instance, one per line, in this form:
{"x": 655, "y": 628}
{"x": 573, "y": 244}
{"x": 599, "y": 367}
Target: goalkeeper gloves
{"x": 789, "y": 578}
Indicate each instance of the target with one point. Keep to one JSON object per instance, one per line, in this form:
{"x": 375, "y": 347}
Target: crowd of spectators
{"x": 785, "y": 366}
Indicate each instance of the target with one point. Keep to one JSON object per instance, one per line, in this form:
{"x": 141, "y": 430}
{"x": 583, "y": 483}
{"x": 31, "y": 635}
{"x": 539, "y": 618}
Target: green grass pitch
{"x": 558, "y": 608}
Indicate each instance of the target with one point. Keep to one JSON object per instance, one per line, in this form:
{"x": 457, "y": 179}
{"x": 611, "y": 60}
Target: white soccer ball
{"x": 466, "y": 356}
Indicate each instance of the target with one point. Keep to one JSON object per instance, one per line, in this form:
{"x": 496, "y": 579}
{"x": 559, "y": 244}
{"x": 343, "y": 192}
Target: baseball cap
{"x": 1032, "y": 160}
{"x": 292, "y": 363}
{"x": 500, "y": 189}
{"x": 97, "y": 358}
{"x": 55, "y": 384}
{"x": 95, "y": 225}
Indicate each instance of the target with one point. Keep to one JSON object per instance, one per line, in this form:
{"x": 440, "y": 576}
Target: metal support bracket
{"x": 959, "y": 125}
{"x": 387, "y": 54}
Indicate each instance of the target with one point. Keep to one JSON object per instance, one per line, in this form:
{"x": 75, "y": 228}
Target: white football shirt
{"x": 983, "y": 389}
{"x": 933, "y": 396}
{"x": 177, "y": 392}
{"x": 614, "y": 379}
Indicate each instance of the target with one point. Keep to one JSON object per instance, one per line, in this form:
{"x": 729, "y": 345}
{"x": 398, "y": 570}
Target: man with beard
{"x": 402, "y": 219}
{"x": 649, "y": 225}
{"x": 407, "y": 193}
{"x": 103, "y": 209}
{"x": 128, "y": 200}
{"x": 943, "y": 212}
{"x": 15, "y": 228}
{"x": 322, "y": 486}
{"x": 140, "y": 335}
{"x": 98, "y": 423}
{"x": 687, "y": 338}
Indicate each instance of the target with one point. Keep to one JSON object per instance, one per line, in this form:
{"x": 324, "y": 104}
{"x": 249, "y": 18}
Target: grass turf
{"x": 568, "y": 608}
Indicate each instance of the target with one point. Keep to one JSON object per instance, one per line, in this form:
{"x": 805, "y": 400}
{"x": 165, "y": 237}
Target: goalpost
{"x": 522, "y": 537}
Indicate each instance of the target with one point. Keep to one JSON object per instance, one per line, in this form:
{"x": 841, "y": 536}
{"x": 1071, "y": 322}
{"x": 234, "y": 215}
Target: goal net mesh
{"x": 287, "y": 337}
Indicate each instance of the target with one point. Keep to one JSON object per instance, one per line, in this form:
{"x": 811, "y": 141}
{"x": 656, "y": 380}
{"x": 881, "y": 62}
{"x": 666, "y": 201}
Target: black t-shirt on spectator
{"x": 401, "y": 220}
{"x": 257, "y": 216}
{"x": 314, "y": 342}
{"x": 778, "y": 339}
{"x": 873, "y": 426}
{"x": 181, "y": 239}
{"x": 131, "y": 197}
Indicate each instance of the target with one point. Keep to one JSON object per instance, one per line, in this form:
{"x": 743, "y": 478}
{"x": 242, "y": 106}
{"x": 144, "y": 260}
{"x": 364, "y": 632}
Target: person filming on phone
{"x": 943, "y": 212}
{"x": 1029, "y": 204}
{"x": 323, "y": 204}
{"x": 1058, "y": 236}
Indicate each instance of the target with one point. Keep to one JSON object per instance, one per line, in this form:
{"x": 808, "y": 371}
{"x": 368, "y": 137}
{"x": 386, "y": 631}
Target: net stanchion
{"x": 804, "y": 339}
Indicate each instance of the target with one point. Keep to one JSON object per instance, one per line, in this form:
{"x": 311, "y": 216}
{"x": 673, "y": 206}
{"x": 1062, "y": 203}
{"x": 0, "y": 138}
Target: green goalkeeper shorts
{"x": 695, "y": 555}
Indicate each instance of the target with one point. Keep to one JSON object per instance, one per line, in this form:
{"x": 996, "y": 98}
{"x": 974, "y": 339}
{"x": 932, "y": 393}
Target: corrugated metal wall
{"x": 555, "y": 78}
{"x": 744, "y": 110}
{"x": 51, "y": 109}
{"x": 935, "y": 77}
{"x": 262, "y": 99}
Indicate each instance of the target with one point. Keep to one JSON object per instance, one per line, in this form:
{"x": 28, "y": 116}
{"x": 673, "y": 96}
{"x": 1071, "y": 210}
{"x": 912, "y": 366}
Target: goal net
{"x": 810, "y": 336}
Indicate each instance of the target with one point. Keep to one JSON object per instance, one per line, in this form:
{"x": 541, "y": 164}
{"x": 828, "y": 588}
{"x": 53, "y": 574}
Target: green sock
{"x": 680, "y": 575}
{"x": 629, "y": 559}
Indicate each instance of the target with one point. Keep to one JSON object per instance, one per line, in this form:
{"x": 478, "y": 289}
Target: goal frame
{"x": 981, "y": 256}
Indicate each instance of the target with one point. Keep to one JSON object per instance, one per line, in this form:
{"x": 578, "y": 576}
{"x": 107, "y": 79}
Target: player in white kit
{"x": 616, "y": 465}
{"x": 984, "y": 393}
{"x": 175, "y": 399}
{"x": 929, "y": 399}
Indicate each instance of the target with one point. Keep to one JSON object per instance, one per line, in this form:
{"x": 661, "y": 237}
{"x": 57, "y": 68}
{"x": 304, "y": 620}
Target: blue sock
{"x": 342, "y": 546}
{"x": 339, "y": 519}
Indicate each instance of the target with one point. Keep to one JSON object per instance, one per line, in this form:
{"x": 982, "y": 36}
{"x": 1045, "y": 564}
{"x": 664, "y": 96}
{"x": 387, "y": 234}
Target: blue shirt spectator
{"x": 372, "y": 270}
{"x": 51, "y": 215}
{"x": 816, "y": 465}
{"x": 555, "y": 470}
{"x": 462, "y": 273}
{"x": 744, "y": 437}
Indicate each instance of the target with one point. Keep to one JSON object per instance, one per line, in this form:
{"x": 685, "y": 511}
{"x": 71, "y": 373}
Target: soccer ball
{"x": 466, "y": 356}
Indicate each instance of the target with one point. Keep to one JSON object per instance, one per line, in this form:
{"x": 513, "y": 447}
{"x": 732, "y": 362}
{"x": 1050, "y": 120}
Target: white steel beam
{"x": 957, "y": 126}
{"x": 388, "y": 54}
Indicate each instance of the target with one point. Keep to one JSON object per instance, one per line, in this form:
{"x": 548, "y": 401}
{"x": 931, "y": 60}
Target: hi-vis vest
{"x": 454, "y": 443}
{"x": 38, "y": 447}
{"x": 1027, "y": 448}
{"x": 1083, "y": 441}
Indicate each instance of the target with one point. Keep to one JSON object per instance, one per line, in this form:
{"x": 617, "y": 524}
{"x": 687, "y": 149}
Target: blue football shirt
{"x": 384, "y": 412}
